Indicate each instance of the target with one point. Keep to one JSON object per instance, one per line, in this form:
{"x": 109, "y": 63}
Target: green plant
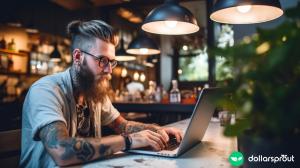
{"x": 265, "y": 88}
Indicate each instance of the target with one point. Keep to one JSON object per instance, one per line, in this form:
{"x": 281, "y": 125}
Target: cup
{"x": 225, "y": 118}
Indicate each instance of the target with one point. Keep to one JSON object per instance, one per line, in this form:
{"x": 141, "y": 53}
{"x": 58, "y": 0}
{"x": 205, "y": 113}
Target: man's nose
{"x": 108, "y": 68}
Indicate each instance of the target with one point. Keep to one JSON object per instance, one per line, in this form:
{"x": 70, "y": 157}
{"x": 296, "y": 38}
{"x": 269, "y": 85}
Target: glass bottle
{"x": 151, "y": 92}
{"x": 12, "y": 45}
{"x": 158, "y": 94}
{"x": 175, "y": 96}
{"x": 3, "y": 43}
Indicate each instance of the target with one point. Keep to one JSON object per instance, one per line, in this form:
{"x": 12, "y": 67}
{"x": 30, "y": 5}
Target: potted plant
{"x": 265, "y": 90}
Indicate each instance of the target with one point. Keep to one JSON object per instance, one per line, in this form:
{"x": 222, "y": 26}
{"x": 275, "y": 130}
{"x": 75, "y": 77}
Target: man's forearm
{"x": 69, "y": 150}
{"x": 133, "y": 126}
{"x": 120, "y": 125}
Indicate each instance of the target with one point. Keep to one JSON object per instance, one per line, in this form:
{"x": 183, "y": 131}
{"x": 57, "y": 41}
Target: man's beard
{"x": 95, "y": 90}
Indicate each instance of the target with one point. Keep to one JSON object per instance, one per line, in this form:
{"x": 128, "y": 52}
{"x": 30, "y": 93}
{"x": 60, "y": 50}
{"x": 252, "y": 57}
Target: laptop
{"x": 195, "y": 131}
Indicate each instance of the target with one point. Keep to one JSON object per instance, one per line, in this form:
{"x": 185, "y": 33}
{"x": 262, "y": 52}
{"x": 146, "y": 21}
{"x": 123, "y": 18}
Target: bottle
{"x": 12, "y": 45}
{"x": 2, "y": 43}
{"x": 10, "y": 63}
{"x": 165, "y": 96}
{"x": 151, "y": 91}
{"x": 158, "y": 94}
{"x": 175, "y": 96}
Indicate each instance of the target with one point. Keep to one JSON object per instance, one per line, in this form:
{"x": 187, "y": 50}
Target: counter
{"x": 155, "y": 107}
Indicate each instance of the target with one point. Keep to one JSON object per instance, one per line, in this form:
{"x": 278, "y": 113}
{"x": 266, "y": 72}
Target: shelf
{"x": 21, "y": 74}
{"x": 12, "y": 73}
{"x": 5, "y": 51}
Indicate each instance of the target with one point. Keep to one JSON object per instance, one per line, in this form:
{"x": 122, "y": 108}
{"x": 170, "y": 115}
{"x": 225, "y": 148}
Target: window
{"x": 193, "y": 67}
{"x": 223, "y": 71}
{"x": 225, "y": 39}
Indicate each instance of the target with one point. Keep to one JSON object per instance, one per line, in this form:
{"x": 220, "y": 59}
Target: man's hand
{"x": 167, "y": 131}
{"x": 147, "y": 138}
{"x": 157, "y": 140}
{"x": 144, "y": 135}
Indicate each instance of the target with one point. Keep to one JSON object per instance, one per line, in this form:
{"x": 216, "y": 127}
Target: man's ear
{"x": 76, "y": 56}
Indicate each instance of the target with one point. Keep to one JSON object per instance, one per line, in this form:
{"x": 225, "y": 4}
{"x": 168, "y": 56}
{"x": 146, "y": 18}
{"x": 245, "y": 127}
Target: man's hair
{"x": 84, "y": 34}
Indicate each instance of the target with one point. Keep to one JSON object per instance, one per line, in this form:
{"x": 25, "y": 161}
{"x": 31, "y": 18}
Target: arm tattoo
{"x": 132, "y": 126}
{"x": 81, "y": 149}
{"x": 105, "y": 150}
{"x": 120, "y": 125}
{"x": 49, "y": 135}
{"x": 55, "y": 136}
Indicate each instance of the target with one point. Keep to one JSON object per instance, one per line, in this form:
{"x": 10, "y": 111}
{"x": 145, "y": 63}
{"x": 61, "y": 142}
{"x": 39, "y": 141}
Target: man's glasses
{"x": 103, "y": 60}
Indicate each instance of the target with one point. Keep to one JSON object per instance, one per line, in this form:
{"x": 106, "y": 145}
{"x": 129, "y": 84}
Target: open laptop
{"x": 197, "y": 126}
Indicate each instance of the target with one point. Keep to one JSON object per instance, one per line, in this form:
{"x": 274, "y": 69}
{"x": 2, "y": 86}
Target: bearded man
{"x": 63, "y": 113}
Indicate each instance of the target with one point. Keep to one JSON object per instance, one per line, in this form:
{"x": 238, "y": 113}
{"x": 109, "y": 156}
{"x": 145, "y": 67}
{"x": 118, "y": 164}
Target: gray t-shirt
{"x": 51, "y": 99}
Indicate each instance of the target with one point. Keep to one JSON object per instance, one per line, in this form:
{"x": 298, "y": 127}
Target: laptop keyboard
{"x": 172, "y": 144}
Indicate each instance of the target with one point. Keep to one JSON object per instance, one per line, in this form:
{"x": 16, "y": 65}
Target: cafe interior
{"x": 168, "y": 52}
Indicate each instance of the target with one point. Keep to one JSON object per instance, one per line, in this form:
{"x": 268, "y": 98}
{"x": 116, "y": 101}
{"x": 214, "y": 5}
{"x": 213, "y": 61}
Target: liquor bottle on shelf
{"x": 2, "y": 46}
{"x": 12, "y": 45}
{"x": 158, "y": 94}
{"x": 151, "y": 92}
{"x": 175, "y": 96}
{"x": 3, "y": 43}
{"x": 10, "y": 64}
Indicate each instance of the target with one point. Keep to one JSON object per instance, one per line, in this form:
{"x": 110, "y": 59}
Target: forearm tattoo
{"x": 55, "y": 136}
{"x": 81, "y": 149}
{"x": 128, "y": 127}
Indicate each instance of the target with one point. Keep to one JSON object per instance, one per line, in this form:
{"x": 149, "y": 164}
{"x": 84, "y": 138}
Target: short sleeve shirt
{"x": 48, "y": 100}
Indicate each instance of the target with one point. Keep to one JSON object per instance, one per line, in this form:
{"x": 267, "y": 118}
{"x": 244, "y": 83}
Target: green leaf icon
{"x": 236, "y": 158}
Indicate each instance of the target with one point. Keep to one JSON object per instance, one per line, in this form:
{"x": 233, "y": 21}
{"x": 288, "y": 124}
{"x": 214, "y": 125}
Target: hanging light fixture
{"x": 143, "y": 45}
{"x": 245, "y": 11}
{"x": 142, "y": 77}
{"x": 123, "y": 72}
{"x": 55, "y": 56}
{"x": 136, "y": 76}
{"x": 31, "y": 29}
{"x": 121, "y": 54}
{"x": 170, "y": 19}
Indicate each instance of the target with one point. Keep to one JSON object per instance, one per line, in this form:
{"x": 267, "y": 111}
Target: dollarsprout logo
{"x": 236, "y": 158}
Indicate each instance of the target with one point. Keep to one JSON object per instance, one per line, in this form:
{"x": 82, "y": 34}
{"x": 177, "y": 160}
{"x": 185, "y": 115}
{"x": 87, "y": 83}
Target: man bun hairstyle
{"x": 84, "y": 33}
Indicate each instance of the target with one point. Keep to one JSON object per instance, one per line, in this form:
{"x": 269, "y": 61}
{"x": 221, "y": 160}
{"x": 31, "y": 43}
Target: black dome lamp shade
{"x": 246, "y": 11}
{"x": 143, "y": 45}
{"x": 55, "y": 56}
{"x": 121, "y": 54}
{"x": 170, "y": 19}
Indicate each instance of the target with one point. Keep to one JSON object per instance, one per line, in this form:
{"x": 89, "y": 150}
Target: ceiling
{"x": 83, "y": 4}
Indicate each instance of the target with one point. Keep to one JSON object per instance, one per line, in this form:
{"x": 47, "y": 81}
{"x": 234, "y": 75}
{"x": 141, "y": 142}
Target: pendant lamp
{"x": 55, "y": 56}
{"x": 143, "y": 45}
{"x": 245, "y": 11}
{"x": 170, "y": 19}
{"x": 121, "y": 54}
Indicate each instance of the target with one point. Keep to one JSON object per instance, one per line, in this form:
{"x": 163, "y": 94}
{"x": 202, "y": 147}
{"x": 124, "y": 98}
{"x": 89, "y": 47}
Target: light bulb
{"x": 136, "y": 76}
{"x": 124, "y": 72}
{"x": 179, "y": 71}
{"x": 171, "y": 24}
{"x": 185, "y": 47}
{"x": 143, "y": 50}
{"x": 142, "y": 77}
{"x": 244, "y": 8}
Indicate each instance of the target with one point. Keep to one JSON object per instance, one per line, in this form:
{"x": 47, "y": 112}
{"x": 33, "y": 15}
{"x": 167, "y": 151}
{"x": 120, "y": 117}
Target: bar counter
{"x": 155, "y": 107}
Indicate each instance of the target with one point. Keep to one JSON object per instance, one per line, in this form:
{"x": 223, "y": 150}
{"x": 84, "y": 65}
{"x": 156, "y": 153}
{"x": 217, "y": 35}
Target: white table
{"x": 212, "y": 152}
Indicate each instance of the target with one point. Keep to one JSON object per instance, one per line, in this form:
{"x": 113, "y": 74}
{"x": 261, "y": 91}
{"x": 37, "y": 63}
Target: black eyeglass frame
{"x": 104, "y": 60}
